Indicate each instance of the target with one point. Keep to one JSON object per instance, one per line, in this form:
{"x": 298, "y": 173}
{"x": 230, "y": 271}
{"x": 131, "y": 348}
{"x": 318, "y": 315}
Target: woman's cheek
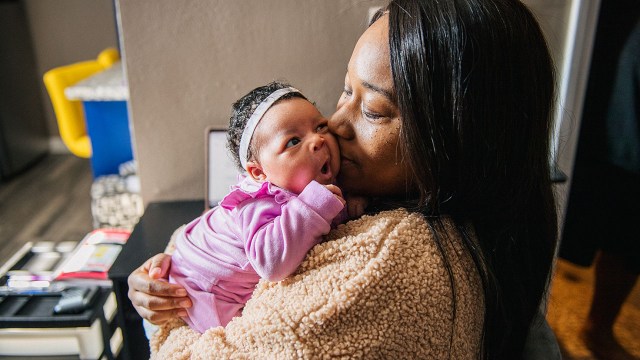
{"x": 384, "y": 140}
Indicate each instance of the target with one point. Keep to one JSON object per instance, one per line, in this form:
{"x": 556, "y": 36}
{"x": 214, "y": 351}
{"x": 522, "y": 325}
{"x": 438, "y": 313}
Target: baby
{"x": 277, "y": 212}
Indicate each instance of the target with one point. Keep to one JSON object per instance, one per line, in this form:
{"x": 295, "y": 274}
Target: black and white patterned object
{"x": 116, "y": 202}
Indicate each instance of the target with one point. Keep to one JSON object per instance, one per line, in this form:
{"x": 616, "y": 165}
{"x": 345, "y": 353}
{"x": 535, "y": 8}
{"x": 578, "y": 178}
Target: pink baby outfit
{"x": 258, "y": 231}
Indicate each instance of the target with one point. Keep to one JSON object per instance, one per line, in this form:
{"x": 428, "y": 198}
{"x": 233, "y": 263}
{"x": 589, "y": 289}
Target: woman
{"x": 446, "y": 111}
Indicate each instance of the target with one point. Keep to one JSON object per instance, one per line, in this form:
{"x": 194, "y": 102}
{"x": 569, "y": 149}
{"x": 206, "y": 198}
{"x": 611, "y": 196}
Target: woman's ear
{"x": 255, "y": 171}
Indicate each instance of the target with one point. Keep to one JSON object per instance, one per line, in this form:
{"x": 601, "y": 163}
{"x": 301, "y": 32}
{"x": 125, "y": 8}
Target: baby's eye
{"x": 293, "y": 142}
{"x": 322, "y": 128}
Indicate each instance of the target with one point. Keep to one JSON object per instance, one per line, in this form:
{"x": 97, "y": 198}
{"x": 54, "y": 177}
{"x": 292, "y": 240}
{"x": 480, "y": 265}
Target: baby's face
{"x": 295, "y": 146}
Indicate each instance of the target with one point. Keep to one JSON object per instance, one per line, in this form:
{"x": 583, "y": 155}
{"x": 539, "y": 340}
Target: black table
{"x": 149, "y": 237}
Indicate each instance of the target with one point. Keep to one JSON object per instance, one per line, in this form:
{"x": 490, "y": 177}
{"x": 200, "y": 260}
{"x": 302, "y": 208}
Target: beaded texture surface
{"x": 377, "y": 288}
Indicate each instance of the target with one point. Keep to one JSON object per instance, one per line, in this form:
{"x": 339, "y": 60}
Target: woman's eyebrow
{"x": 388, "y": 94}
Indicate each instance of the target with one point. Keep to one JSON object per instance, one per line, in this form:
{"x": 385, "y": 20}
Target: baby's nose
{"x": 317, "y": 142}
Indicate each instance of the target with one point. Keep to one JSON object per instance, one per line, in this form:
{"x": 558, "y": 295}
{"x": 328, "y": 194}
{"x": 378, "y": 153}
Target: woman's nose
{"x": 340, "y": 125}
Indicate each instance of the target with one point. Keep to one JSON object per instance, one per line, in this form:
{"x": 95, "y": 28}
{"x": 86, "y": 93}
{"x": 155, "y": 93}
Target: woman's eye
{"x": 292, "y": 142}
{"x": 371, "y": 115}
{"x": 347, "y": 91}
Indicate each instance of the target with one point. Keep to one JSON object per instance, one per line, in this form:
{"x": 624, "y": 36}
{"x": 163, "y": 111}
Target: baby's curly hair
{"x": 241, "y": 112}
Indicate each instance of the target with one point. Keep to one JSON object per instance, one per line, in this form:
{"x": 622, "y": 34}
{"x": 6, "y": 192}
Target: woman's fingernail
{"x": 181, "y": 292}
{"x": 185, "y": 303}
{"x": 182, "y": 313}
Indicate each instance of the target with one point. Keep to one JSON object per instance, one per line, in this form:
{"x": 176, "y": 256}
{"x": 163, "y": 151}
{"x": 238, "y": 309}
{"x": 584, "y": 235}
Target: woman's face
{"x": 367, "y": 121}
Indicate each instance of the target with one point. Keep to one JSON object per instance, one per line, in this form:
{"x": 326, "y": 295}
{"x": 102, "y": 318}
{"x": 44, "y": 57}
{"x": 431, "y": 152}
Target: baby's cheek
{"x": 304, "y": 176}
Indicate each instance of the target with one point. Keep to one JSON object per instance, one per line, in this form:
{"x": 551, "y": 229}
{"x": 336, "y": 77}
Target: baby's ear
{"x": 255, "y": 171}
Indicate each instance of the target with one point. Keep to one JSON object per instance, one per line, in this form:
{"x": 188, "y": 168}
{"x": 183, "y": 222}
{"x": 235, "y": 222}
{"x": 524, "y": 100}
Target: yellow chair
{"x": 69, "y": 113}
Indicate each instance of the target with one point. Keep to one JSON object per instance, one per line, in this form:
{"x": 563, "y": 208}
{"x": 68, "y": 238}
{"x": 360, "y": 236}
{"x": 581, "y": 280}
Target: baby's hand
{"x": 337, "y": 192}
{"x": 356, "y": 206}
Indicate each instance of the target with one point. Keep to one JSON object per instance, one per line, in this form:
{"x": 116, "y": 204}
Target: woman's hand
{"x": 356, "y": 206}
{"x": 153, "y": 297}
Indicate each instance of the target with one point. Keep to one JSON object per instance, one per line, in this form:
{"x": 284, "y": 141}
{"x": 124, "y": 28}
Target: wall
{"x": 67, "y": 31}
{"x": 570, "y": 30}
{"x": 186, "y": 62}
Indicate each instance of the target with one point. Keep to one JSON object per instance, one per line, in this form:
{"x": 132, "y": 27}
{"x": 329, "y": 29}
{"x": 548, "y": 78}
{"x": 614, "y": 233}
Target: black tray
{"x": 34, "y": 262}
{"x": 36, "y": 311}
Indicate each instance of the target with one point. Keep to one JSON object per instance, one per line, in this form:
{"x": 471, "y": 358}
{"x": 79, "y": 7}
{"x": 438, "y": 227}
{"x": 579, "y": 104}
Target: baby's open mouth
{"x": 325, "y": 168}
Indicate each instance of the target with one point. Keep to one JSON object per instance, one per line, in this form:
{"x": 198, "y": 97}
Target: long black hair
{"x": 475, "y": 88}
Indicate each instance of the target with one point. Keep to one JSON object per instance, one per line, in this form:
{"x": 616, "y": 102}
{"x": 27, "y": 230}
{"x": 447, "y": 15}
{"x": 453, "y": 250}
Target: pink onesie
{"x": 258, "y": 231}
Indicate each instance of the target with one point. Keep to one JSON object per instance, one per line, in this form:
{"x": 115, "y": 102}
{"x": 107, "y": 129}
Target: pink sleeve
{"x": 278, "y": 236}
{"x": 198, "y": 284}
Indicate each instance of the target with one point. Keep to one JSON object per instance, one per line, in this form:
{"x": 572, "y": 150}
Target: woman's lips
{"x": 345, "y": 161}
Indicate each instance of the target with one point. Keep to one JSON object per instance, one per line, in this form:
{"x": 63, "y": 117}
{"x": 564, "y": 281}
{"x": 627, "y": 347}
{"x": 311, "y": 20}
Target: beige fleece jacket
{"x": 377, "y": 288}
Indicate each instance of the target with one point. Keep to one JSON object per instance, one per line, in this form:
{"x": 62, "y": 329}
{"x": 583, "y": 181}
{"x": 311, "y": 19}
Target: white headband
{"x": 255, "y": 118}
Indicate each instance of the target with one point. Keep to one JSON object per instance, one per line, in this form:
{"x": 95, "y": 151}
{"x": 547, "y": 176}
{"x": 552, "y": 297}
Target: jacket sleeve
{"x": 377, "y": 289}
{"x": 278, "y": 236}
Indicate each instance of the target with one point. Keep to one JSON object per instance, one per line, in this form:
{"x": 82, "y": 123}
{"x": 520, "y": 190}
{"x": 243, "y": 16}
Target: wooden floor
{"x": 49, "y": 202}
{"x": 571, "y": 291}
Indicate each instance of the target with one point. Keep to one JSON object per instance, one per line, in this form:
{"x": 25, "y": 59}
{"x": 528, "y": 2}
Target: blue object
{"x": 108, "y": 129}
